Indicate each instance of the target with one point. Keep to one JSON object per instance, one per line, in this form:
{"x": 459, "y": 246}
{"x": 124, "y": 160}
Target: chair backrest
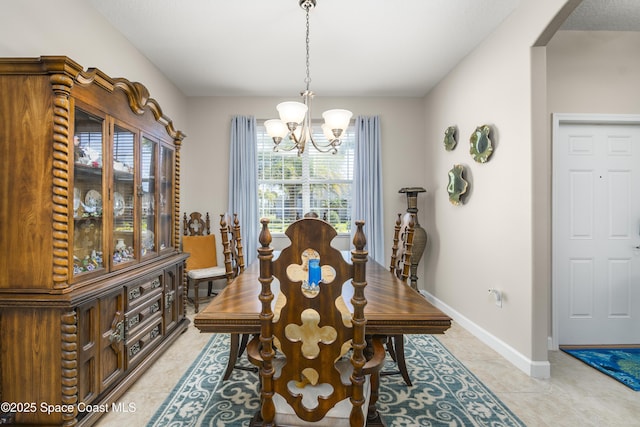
{"x": 198, "y": 242}
{"x": 312, "y": 327}
{"x": 402, "y": 246}
{"x": 232, "y": 245}
{"x": 312, "y": 214}
{"x": 195, "y": 225}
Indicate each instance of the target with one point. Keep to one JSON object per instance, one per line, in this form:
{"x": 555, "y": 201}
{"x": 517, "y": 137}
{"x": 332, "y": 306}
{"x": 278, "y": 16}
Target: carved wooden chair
{"x": 234, "y": 266}
{"x": 311, "y": 349}
{"x": 232, "y": 245}
{"x": 400, "y": 266}
{"x": 202, "y": 264}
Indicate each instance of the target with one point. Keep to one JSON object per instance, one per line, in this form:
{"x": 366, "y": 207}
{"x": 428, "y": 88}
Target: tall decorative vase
{"x": 419, "y": 235}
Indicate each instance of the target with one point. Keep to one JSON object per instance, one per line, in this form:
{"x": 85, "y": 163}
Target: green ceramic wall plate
{"x": 457, "y": 185}
{"x": 481, "y": 147}
{"x": 450, "y": 138}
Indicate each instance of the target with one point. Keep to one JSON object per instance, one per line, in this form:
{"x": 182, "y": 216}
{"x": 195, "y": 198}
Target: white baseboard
{"x": 536, "y": 369}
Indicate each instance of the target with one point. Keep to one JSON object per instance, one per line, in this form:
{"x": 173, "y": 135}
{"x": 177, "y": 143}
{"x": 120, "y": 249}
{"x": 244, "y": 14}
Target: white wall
{"x": 594, "y": 72}
{"x": 489, "y": 241}
{"x": 73, "y": 28}
{"x": 205, "y": 179}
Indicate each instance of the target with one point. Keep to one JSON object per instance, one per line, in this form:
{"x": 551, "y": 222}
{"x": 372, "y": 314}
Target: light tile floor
{"x": 574, "y": 396}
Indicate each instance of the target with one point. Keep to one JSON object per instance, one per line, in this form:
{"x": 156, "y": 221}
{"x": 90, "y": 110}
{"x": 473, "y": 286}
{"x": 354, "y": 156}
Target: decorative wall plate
{"x": 481, "y": 147}
{"x": 118, "y": 204}
{"x": 450, "y": 138}
{"x": 93, "y": 199}
{"x": 457, "y": 185}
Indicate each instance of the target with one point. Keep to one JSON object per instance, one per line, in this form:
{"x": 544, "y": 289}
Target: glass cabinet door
{"x": 124, "y": 196}
{"x": 148, "y": 190}
{"x": 165, "y": 238}
{"x": 87, "y": 193}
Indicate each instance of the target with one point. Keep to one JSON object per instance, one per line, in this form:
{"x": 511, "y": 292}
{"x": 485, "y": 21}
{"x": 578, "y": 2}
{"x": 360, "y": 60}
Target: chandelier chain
{"x": 307, "y": 79}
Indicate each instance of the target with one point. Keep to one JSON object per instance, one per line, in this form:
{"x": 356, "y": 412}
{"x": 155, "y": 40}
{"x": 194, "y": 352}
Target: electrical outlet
{"x": 497, "y": 295}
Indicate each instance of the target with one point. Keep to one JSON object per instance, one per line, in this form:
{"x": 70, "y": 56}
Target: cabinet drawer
{"x": 142, "y": 342}
{"x": 139, "y": 293}
{"x": 137, "y": 318}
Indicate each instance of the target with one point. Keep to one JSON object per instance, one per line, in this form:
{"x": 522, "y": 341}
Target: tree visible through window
{"x": 289, "y": 185}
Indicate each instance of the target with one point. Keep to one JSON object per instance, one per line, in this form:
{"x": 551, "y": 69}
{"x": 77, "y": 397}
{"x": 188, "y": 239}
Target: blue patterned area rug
{"x": 444, "y": 392}
{"x": 622, "y": 364}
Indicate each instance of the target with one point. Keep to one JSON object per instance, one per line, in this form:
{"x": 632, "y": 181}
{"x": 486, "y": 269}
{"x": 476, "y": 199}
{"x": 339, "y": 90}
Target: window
{"x": 289, "y": 185}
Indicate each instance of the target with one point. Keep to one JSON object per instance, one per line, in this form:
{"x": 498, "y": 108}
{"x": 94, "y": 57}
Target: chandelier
{"x": 295, "y": 117}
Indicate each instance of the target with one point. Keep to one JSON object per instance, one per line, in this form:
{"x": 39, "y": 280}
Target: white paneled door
{"x": 596, "y": 232}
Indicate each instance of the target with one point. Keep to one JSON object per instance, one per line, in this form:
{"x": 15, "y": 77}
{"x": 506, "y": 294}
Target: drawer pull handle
{"x": 133, "y": 321}
{"x": 134, "y": 293}
{"x": 155, "y": 307}
{"x": 155, "y": 332}
{"x": 135, "y": 349}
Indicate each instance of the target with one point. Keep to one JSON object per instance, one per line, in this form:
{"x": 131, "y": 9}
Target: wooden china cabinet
{"x": 91, "y": 275}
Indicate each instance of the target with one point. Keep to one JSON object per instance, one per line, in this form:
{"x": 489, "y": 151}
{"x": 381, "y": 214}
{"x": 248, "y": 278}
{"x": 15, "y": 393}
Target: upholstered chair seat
{"x": 204, "y": 273}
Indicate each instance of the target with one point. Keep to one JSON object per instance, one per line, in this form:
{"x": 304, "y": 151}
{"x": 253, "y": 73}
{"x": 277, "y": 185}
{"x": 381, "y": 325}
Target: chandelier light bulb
{"x": 276, "y": 129}
{"x": 292, "y": 112}
{"x": 337, "y": 119}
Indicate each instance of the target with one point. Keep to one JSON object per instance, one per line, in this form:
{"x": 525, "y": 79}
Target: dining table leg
{"x": 233, "y": 355}
{"x": 398, "y": 347}
{"x": 237, "y": 346}
{"x": 373, "y": 416}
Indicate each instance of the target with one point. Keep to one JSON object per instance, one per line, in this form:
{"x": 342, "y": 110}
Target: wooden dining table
{"x": 393, "y": 308}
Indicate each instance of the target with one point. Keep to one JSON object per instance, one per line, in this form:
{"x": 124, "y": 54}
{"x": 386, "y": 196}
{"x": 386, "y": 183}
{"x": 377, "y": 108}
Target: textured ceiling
{"x": 605, "y": 15}
{"x": 357, "y": 47}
